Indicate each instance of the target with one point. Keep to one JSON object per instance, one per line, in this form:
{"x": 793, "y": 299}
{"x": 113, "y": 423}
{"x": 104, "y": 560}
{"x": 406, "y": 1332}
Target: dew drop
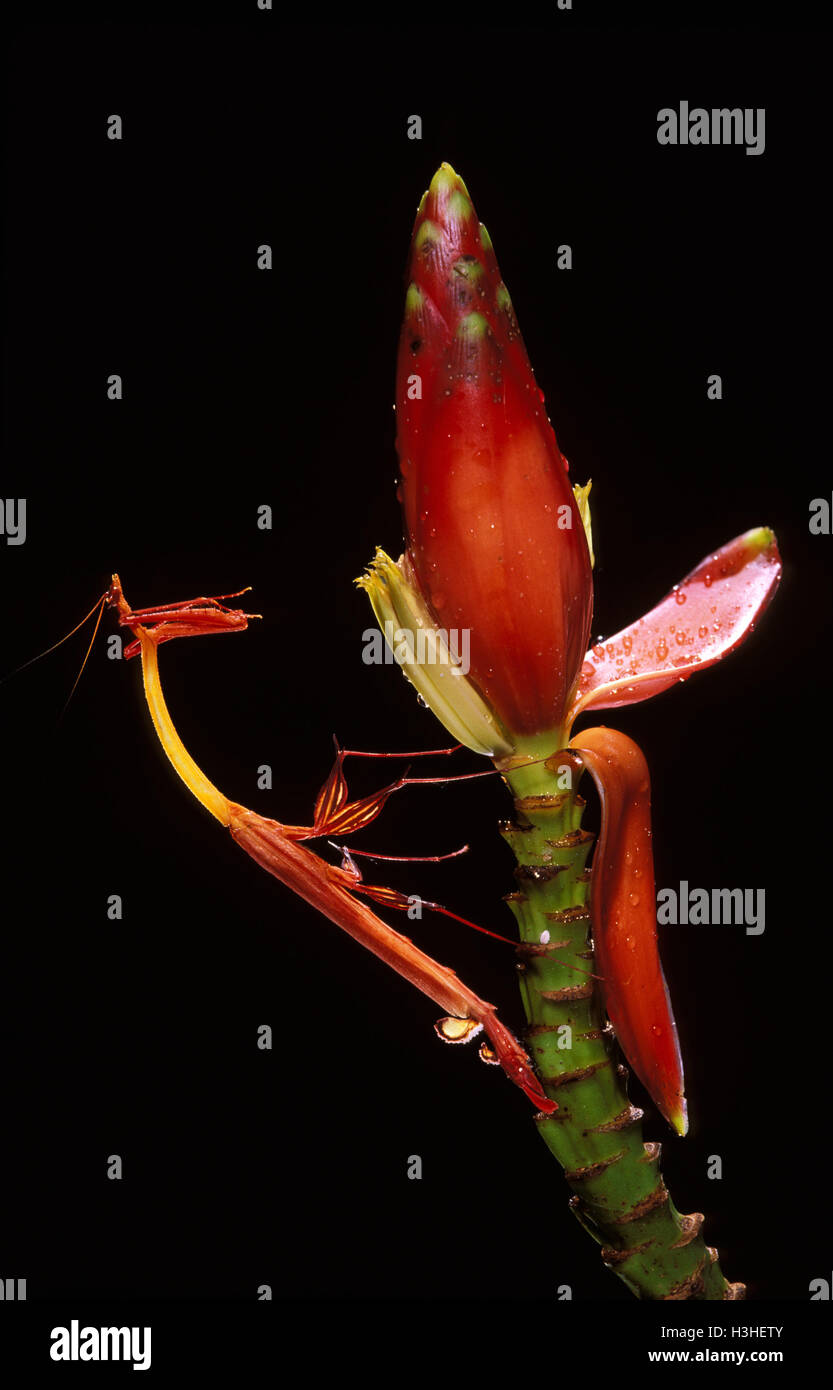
{"x": 662, "y": 649}
{"x": 633, "y": 899}
{"x": 707, "y": 580}
{"x": 544, "y": 938}
{"x": 702, "y": 632}
{"x": 679, "y": 596}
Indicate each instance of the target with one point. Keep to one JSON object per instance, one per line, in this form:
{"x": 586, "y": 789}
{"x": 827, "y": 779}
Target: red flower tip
{"x": 494, "y": 535}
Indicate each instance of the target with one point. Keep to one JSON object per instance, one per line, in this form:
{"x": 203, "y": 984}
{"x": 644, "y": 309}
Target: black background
{"x": 242, "y": 388}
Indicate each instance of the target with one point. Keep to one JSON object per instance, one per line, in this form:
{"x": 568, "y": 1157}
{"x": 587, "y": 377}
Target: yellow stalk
{"x": 193, "y": 776}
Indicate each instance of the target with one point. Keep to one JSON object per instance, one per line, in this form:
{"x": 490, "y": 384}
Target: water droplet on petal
{"x": 679, "y": 596}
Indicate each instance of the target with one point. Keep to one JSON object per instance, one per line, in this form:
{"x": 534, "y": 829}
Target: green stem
{"x": 596, "y": 1133}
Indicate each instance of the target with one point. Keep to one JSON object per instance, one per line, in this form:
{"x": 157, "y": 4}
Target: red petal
{"x": 704, "y": 618}
{"x": 623, "y": 913}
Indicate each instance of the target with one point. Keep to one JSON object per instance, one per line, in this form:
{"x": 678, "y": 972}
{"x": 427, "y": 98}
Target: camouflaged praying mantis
{"x": 499, "y": 545}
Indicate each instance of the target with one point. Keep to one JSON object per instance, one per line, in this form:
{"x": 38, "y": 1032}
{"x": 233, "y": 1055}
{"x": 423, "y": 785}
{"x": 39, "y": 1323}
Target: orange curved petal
{"x": 623, "y": 913}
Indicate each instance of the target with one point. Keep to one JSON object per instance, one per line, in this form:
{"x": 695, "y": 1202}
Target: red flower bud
{"x": 495, "y": 538}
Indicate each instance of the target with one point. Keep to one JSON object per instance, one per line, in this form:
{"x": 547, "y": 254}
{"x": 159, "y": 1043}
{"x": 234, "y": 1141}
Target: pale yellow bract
{"x": 401, "y": 611}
